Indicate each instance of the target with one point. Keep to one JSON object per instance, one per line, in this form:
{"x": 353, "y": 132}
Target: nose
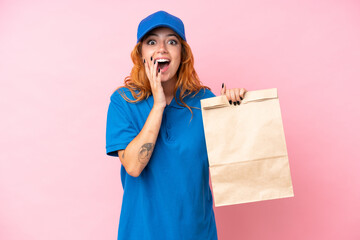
{"x": 162, "y": 47}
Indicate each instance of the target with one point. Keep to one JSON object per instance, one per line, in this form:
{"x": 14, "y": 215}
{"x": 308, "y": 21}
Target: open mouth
{"x": 163, "y": 66}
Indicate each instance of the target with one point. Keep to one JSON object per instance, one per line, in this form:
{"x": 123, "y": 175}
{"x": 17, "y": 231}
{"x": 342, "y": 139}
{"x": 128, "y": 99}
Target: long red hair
{"x": 187, "y": 77}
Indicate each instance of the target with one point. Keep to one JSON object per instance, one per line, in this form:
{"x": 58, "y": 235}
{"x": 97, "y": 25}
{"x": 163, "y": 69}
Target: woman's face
{"x": 163, "y": 43}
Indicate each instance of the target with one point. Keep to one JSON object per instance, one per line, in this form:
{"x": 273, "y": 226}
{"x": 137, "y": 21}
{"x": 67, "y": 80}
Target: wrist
{"x": 157, "y": 107}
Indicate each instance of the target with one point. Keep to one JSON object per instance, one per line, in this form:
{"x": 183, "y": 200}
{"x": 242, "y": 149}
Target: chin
{"x": 165, "y": 78}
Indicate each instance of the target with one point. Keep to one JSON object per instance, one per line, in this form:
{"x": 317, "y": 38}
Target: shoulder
{"x": 204, "y": 93}
{"x": 193, "y": 99}
{"x": 120, "y": 94}
{"x": 209, "y": 93}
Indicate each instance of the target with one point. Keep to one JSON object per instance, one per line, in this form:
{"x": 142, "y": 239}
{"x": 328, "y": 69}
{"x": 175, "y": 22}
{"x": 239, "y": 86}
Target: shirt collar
{"x": 173, "y": 103}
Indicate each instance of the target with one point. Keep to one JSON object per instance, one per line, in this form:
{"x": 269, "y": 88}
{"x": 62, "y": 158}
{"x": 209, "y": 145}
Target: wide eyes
{"x": 153, "y": 42}
{"x": 173, "y": 42}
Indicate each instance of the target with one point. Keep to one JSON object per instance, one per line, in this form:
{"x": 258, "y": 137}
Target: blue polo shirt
{"x": 171, "y": 199}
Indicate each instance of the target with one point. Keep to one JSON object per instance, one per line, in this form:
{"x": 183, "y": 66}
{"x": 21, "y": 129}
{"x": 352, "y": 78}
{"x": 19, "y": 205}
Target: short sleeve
{"x": 210, "y": 94}
{"x": 207, "y": 94}
{"x": 120, "y": 130}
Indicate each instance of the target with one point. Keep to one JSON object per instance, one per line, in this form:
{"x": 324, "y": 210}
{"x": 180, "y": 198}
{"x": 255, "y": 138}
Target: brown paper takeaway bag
{"x": 246, "y": 148}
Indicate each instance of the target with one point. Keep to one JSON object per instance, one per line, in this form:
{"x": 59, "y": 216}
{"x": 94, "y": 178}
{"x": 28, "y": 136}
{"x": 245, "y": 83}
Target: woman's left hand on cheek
{"x": 234, "y": 95}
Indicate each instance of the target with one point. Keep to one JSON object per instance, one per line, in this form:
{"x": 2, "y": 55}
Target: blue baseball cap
{"x": 160, "y": 19}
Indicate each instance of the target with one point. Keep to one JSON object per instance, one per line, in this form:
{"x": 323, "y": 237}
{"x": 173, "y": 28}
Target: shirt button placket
{"x": 167, "y": 127}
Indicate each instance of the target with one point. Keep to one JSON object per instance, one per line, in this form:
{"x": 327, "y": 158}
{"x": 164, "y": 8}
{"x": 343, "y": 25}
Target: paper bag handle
{"x": 250, "y": 96}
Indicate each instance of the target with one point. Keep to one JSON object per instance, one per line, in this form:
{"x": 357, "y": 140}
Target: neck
{"x": 168, "y": 87}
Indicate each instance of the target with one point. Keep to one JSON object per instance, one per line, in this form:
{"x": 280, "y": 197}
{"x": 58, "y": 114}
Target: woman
{"x": 160, "y": 141}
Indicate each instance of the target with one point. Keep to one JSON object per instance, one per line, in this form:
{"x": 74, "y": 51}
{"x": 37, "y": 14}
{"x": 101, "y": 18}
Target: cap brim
{"x": 160, "y": 25}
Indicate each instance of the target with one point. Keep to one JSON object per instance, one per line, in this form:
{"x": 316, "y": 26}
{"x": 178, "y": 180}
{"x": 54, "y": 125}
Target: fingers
{"x": 242, "y": 93}
{"x": 146, "y": 66}
{"x": 235, "y": 95}
{"x": 223, "y": 89}
{"x": 228, "y": 95}
{"x": 151, "y": 69}
{"x": 232, "y": 96}
{"x": 154, "y": 78}
{"x": 158, "y": 72}
{"x": 148, "y": 70}
{"x": 154, "y": 70}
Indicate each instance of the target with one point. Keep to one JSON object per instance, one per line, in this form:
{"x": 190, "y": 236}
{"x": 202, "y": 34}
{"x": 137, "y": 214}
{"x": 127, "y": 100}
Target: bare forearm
{"x": 138, "y": 152}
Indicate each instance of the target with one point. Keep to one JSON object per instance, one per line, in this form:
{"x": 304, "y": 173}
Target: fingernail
{"x": 222, "y": 86}
{"x": 238, "y": 102}
{"x": 234, "y": 103}
{"x": 144, "y": 60}
{"x": 230, "y": 101}
{"x": 151, "y": 58}
{"x": 155, "y": 61}
{"x": 241, "y": 98}
{"x": 159, "y": 70}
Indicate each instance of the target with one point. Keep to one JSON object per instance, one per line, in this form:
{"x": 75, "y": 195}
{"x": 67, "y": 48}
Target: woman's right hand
{"x": 155, "y": 82}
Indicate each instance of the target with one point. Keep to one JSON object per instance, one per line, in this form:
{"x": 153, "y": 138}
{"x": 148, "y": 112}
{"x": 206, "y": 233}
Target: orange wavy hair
{"x": 187, "y": 77}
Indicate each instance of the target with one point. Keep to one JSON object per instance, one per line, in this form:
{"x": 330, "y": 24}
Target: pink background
{"x": 61, "y": 60}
